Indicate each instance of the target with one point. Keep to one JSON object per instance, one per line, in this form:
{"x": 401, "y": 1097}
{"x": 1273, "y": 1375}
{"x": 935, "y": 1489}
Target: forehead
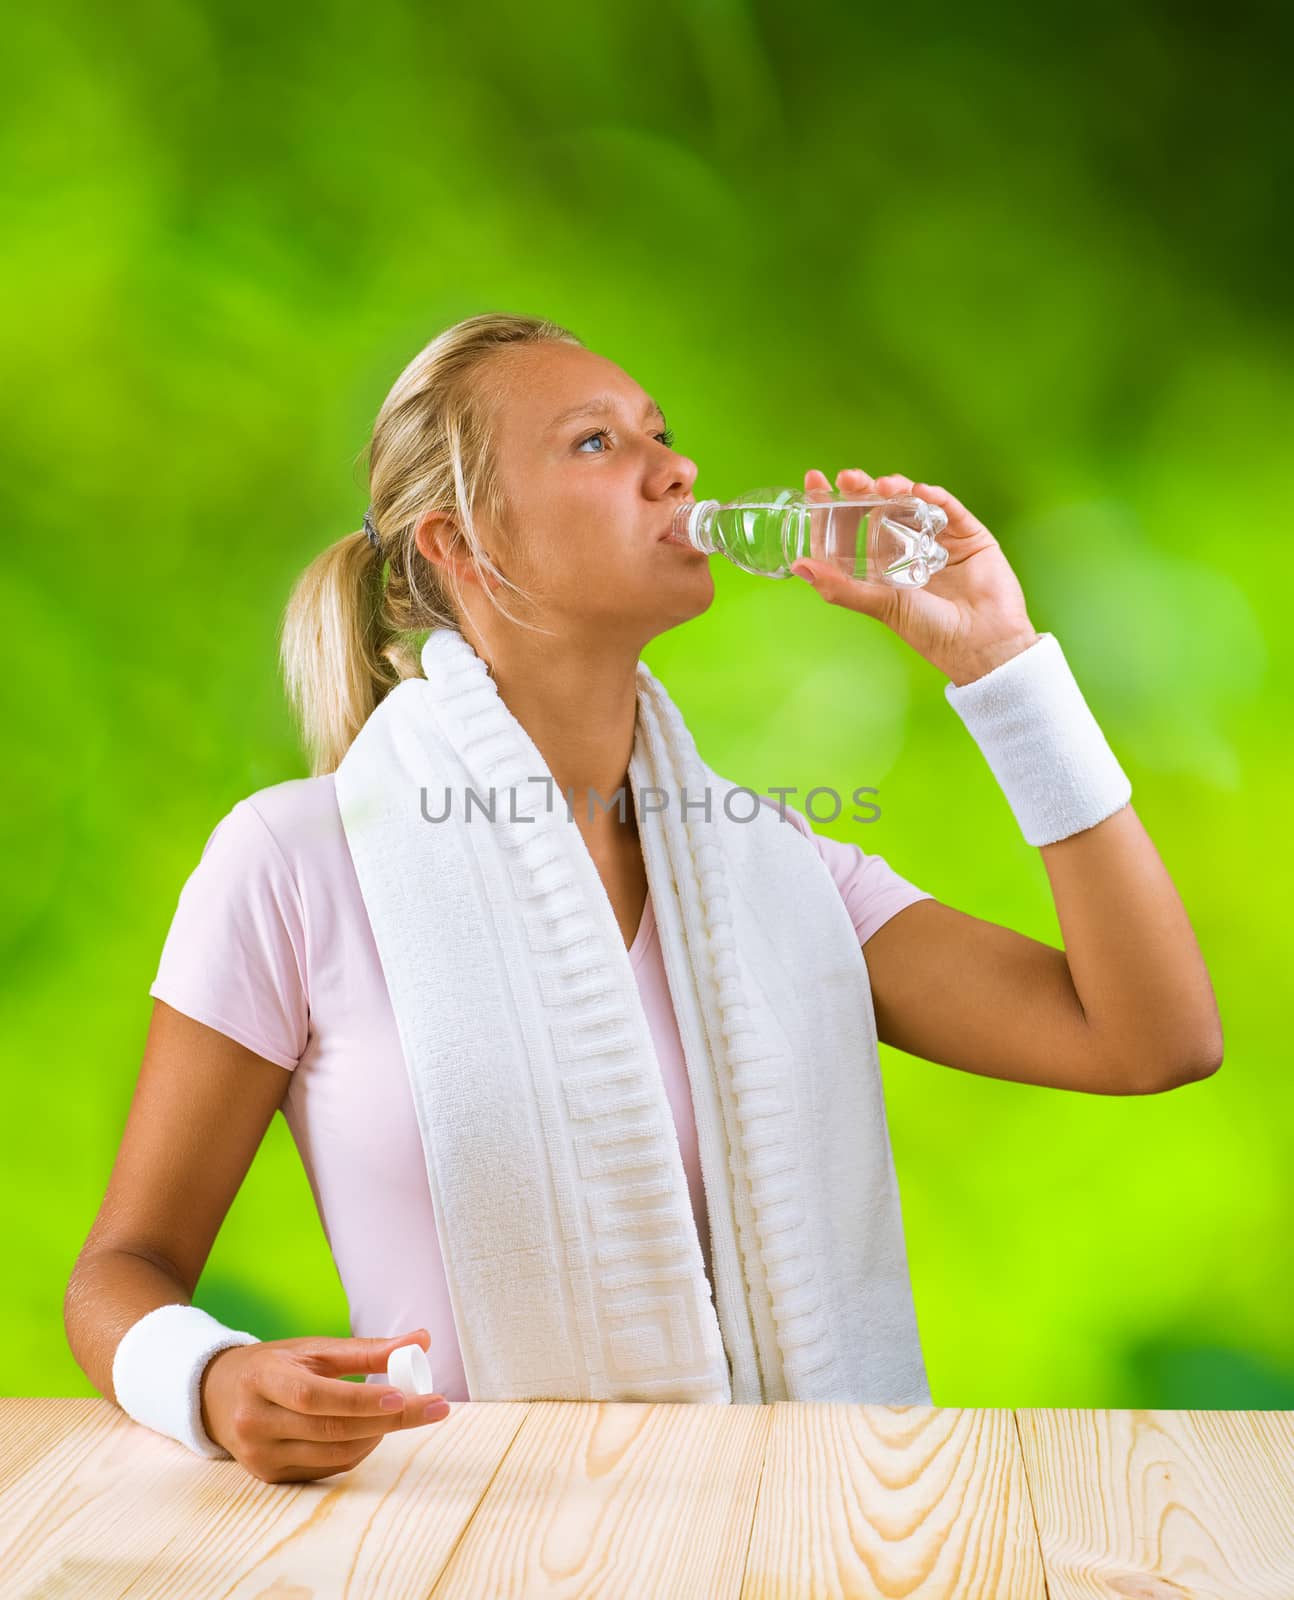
{"x": 543, "y": 385}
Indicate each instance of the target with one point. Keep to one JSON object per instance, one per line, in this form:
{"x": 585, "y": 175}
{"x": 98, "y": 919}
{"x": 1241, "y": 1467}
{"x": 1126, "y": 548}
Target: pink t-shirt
{"x": 271, "y": 945}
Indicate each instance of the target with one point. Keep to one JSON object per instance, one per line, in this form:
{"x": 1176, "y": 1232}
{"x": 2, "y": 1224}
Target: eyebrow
{"x": 598, "y": 405}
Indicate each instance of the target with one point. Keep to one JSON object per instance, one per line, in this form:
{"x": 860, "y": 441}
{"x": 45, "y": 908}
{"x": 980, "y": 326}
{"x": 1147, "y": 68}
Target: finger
{"x": 831, "y": 582}
{"x": 819, "y": 510}
{"x": 894, "y": 483}
{"x": 296, "y": 1388}
{"x": 281, "y": 1423}
{"x": 847, "y": 522}
{"x": 298, "y": 1384}
{"x": 828, "y": 518}
{"x": 854, "y": 594}
{"x": 960, "y": 521}
{"x": 298, "y": 1460}
{"x": 353, "y": 1356}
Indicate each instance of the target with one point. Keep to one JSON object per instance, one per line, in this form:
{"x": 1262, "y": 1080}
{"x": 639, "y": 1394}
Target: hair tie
{"x": 370, "y": 530}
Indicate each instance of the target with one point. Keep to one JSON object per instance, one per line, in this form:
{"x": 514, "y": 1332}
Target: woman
{"x": 521, "y": 485}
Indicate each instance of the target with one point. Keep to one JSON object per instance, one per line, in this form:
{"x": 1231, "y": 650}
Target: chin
{"x": 697, "y": 609}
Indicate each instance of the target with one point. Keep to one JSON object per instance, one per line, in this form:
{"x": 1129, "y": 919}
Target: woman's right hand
{"x": 283, "y": 1410}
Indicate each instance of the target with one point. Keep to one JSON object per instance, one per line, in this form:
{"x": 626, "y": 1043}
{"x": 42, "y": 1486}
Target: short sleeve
{"x": 234, "y": 957}
{"x": 871, "y": 889}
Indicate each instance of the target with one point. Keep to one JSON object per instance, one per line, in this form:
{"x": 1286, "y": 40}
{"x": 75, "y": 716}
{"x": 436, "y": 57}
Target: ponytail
{"x": 353, "y": 625}
{"x": 339, "y": 659}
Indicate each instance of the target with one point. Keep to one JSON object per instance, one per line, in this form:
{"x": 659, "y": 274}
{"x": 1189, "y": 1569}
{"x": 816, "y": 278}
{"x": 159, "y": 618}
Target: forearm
{"x": 1132, "y": 952}
{"x": 108, "y": 1292}
{"x": 1133, "y": 961}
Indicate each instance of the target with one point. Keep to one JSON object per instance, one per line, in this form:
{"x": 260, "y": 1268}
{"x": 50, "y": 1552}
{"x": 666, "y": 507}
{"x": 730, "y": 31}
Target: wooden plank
{"x": 1160, "y": 1505}
{"x": 873, "y": 1502}
{"x": 721, "y": 1501}
{"x": 619, "y": 1499}
{"x": 111, "y": 1508}
{"x": 1276, "y": 1430}
{"x": 29, "y": 1428}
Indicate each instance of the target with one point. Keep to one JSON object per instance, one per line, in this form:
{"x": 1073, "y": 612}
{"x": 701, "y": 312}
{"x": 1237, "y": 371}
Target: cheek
{"x": 591, "y": 546}
{"x": 570, "y": 564}
{"x": 597, "y": 567}
{"x": 583, "y": 549}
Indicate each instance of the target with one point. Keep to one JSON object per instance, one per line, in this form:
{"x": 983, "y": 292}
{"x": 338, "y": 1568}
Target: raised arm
{"x": 1125, "y": 1008}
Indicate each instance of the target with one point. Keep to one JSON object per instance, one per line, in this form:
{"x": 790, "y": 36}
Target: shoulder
{"x": 237, "y": 953}
{"x": 298, "y": 831}
{"x": 299, "y": 814}
{"x": 287, "y": 836}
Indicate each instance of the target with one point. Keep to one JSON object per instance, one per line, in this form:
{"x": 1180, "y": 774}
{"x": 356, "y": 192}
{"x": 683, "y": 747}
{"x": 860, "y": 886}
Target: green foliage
{"x": 1042, "y": 261}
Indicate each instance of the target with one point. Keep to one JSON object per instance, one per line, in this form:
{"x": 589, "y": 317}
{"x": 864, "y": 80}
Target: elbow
{"x": 1191, "y": 1067}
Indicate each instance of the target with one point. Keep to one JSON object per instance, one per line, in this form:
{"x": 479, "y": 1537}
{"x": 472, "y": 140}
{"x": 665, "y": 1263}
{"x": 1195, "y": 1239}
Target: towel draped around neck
{"x": 571, "y": 1251}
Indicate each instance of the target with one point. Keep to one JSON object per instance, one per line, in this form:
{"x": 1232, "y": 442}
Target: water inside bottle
{"x": 889, "y": 539}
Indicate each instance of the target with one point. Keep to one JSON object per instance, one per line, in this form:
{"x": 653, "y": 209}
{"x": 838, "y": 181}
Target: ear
{"x": 435, "y": 537}
{"x": 438, "y": 541}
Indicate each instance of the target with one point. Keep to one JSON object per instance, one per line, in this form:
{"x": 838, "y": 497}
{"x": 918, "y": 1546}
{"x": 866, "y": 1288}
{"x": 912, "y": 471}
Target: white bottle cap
{"x": 409, "y": 1371}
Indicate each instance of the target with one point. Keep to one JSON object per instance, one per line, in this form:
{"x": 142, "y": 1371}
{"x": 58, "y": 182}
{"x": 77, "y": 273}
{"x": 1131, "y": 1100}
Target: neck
{"x": 578, "y": 704}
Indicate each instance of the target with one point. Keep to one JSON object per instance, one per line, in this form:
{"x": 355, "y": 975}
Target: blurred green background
{"x": 1041, "y": 259}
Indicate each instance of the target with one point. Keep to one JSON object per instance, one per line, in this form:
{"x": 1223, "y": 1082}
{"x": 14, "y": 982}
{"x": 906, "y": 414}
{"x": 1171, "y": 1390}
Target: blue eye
{"x": 666, "y": 438}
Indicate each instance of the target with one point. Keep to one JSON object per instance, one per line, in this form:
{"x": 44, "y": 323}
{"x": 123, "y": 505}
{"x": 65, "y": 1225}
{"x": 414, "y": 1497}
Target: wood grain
{"x": 112, "y": 1507}
{"x": 1162, "y": 1505}
{"x": 617, "y": 1499}
{"x": 566, "y": 1500}
{"x": 883, "y": 1501}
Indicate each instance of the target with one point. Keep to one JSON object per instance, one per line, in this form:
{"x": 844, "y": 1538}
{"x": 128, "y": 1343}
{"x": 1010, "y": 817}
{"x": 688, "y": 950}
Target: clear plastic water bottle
{"x": 890, "y": 539}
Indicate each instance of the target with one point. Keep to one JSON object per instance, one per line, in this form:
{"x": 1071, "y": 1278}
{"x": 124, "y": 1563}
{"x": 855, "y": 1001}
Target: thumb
{"x": 855, "y": 594}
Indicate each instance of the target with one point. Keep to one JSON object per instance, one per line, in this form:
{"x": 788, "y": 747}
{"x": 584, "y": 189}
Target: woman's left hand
{"x": 969, "y": 618}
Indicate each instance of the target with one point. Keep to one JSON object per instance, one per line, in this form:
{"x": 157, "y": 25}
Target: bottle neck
{"x": 699, "y": 526}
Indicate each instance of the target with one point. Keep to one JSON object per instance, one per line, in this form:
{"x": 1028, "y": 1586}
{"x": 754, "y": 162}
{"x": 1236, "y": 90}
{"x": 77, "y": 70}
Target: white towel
{"x": 571, "y": 1251}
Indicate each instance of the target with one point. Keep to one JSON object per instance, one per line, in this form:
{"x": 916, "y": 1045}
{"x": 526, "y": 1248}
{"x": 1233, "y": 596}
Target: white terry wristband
{"x": 157, "y": 1372}
{"x": 1044, "y": 746}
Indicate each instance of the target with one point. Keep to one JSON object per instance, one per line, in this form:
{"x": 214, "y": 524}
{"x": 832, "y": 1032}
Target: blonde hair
{"x": 351, "y": 624}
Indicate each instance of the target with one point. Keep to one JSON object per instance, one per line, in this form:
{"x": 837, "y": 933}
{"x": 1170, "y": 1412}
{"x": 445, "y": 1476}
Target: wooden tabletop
{"x": 693, "y": 1502}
